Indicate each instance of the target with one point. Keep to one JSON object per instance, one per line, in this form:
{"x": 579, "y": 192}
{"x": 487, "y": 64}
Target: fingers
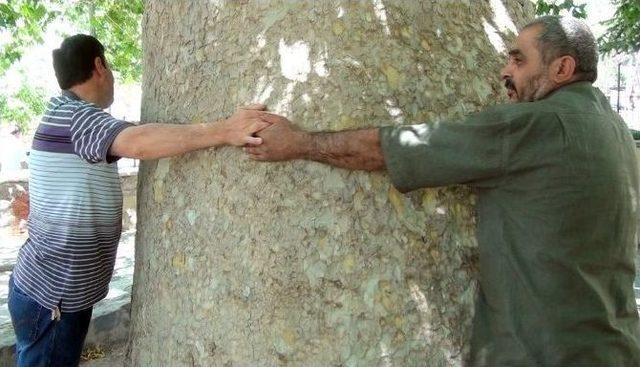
{"x": 272, "y": 118}
{"x": 259, "y": 111}
{"x": 257, "y": 157}
{"x": 258, "y": 125}
{"x": 254, "y": 106}
{"x": 256, "y": 153}
{"x": 253, "y": 149}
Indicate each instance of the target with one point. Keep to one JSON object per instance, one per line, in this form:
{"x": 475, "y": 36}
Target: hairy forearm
{"x": 152, "y": 141}
{"x": 353, "y": 149}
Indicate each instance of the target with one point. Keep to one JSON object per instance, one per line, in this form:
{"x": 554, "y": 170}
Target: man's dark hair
{"x": 562, "y": 36}
{"x": 73, "y": 62}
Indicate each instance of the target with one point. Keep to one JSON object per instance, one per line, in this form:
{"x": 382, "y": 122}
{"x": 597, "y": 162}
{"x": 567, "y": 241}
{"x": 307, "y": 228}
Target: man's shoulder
{"x": 576, "y": 98}
{"x": 579, "y": 98}
{"x": 509, "y": 113}
{"x": 64, "y": 103}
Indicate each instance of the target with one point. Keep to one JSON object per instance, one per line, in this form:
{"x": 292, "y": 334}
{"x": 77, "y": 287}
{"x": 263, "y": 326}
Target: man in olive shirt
{"x": 557, "y": 183}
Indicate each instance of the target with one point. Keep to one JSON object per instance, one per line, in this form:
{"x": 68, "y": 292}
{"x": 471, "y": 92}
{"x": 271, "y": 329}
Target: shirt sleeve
{"x": 438, "y": 154}
{"x": 92, "y": 133}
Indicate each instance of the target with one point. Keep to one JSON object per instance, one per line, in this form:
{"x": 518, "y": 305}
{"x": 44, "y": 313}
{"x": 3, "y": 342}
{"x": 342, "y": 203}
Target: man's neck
{"x": 563, "y": 85}
{"x": 86, "y": 92}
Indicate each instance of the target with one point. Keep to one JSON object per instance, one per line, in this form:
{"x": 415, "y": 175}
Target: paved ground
{"x": 112, "y": 358}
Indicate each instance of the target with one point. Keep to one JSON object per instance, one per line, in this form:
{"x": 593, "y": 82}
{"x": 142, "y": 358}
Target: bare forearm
{"x": 151, "y": 141}
{"x": 354, "y": 149}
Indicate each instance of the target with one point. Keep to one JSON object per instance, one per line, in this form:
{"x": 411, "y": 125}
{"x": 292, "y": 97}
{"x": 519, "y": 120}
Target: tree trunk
{"x": 241, "y": 263}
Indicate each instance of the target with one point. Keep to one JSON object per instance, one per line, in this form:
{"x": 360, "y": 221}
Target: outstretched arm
{"x": 352, "y": 149}
{"x": 151, "y": 141}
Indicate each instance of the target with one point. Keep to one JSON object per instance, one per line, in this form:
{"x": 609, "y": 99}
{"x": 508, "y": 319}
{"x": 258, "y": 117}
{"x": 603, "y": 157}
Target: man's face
{"x": 525, "y": 75}
{"x": 109, "y": 88}
{"x": 105, "y": 82}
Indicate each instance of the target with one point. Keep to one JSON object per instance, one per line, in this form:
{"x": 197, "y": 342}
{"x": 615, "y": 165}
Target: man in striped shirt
{"x": 75, "y": 217}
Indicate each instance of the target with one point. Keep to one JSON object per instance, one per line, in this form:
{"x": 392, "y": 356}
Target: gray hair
{"x": 561, "y": 36}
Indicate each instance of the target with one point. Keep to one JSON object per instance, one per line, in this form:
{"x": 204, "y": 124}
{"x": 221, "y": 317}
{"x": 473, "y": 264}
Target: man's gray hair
{"x": 562, "y": 36}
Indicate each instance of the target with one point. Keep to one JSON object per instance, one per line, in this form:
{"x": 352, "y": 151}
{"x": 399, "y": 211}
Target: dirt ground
{"x": 113, "y": 357}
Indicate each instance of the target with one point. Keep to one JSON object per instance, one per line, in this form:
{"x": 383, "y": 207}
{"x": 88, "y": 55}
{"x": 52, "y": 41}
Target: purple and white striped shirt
{"x": 75, "y": 207}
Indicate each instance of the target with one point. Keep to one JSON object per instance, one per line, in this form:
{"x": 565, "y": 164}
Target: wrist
{"x": 217, "y": 132}
{"x": 306, "y": 145}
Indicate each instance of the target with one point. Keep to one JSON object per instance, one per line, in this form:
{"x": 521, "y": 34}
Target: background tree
{"x": 25, "y": 21}
{"x": 22, "y": 106}
{"x": 623, "y": 30}
{"x": 556, "y": 7}
{"x": 115, "y": 22}
{"x": 251, "y": 264}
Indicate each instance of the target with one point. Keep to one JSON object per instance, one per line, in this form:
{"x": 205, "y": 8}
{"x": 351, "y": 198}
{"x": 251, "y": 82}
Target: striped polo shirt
{"x": 75, "y": 216}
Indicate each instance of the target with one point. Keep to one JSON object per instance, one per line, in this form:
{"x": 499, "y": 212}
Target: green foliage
{"x": 554, "y": 7}
{"x": 623, "y": 30}
{"x": 25, "y": 21}
{"x": 116, "y": 23}
{"x": 23, "y": 106}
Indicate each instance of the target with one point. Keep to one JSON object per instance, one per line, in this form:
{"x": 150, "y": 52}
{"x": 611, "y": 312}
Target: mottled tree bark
{"x": 258, "y": 264}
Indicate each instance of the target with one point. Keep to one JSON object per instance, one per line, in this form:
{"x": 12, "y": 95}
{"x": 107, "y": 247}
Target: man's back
{"x": 75, "y": 207}
{"x": 557, "y": 238}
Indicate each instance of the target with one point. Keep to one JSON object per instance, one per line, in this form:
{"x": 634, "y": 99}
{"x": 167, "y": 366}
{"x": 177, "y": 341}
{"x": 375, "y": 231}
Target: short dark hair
{"x": 562, "y": 36}
{"x": 73, "y": 62}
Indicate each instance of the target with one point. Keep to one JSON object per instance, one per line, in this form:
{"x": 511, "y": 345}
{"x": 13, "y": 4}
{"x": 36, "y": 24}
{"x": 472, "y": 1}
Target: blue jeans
{"x": 41, "y": 341}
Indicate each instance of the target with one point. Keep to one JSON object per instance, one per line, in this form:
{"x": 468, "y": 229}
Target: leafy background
{"x": 117, "y": 23}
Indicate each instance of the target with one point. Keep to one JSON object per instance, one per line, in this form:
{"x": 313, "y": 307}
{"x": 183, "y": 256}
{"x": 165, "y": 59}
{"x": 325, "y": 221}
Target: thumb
{"x": 250, "y": 140}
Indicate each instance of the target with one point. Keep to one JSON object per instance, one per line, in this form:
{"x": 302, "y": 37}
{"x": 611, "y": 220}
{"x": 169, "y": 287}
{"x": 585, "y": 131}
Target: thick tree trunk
{"x": 258, "y": 264}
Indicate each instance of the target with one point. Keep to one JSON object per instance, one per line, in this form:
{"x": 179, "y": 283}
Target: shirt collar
{"x": 70, "y": 94}
{"x": 580, "y": 84}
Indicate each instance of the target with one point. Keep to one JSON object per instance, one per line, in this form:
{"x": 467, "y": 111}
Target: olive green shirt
{"x": 557, "y": 185}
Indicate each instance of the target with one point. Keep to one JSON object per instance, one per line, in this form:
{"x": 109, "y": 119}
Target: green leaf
{"x": 623, "y": 30}
{"x": 116, "y": 23}
{"x": 544, "y": 7}
{"x": 24, "y": 107}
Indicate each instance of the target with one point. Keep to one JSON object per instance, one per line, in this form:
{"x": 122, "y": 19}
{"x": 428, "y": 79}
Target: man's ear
{"x": 563, "y": 69}
{"x": 99, "y": 66}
